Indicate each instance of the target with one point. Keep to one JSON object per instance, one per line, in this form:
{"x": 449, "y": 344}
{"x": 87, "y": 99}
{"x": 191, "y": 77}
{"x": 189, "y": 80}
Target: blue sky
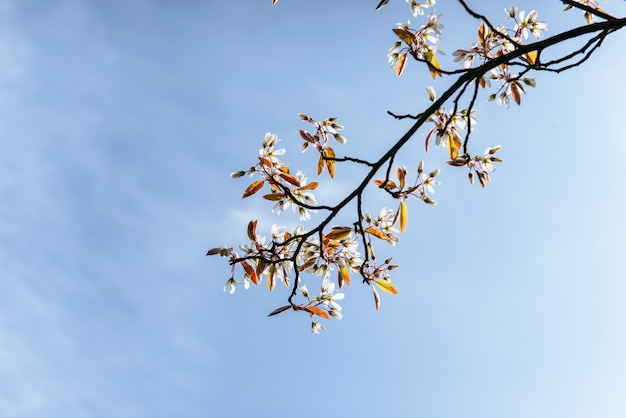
{"x": 120, "y": 122}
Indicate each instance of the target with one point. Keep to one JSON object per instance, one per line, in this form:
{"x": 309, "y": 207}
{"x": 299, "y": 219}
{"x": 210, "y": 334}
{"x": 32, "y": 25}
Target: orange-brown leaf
{"x": 339, "y": 232}
{"x": 250, "y": 272}
{"x": 271, "y": 277}
{"x": 330, "y": 153}
{"x": 274, "y": 197}
{"x": 317, "y": 311}
{"x": 311, "y": 186}
{"x": 290, "y": 179}
{"x": 320, "y": 165}
{"x": 482, "y": 33}
{"x": 388, "y": 186}
{"x": 515, "y": 92}
{"x": 252, "y": 230}
{"x": 253, "y": 188}
{"x": 266, "y": 162}
{"x": 377, "y": 233}
{"x": 401, "y": 64}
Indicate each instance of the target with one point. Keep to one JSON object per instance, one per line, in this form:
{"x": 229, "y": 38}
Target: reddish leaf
{"x": 515, "y": 92}
{"x": 279, "y": 310}
{"x": 307, "y": 136}
{"x": 428, "y": 139}
{"x": 253, "y": 188}
{"x": 252, "y": 230}
{"x": 250, "y": 272}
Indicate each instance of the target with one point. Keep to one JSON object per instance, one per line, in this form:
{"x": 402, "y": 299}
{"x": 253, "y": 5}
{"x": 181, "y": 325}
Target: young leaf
{"x": 404, "y": 214}
{"x": 388, "y": 186}
{"x": 454, "y": 146}
{"x": 317, "y": 311}
{"x": 311, "y": 186}
{"x": 320, "y": 164}
{"x": 344, "y": 275}
{"x": 279, "y": 310}
{"x": 250, "y": 272}
{"x": 404, "y": 34}
{"x": 290, "y": 179}
{"x": 252, "y": 230}
{"x": 339, "y": 232}
{"x": 531, "y": 57}
{"x": 253, "y": 188}
{"x": 515, "y": 92}
{"x": 387, "y": 286}
{"x": 307, "y": 136}
{"x": 271, "y": 277}
{"x": 377, "y": 233}
{"x": 401, "y": 176}
{"x": 330, "y": 153}
{"x": 401, "y": 64}
{"x": 376, "y": 297}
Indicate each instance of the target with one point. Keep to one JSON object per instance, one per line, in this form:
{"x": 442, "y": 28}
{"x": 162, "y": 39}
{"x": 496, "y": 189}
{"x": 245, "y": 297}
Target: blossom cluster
{"x": 422, "y": 44}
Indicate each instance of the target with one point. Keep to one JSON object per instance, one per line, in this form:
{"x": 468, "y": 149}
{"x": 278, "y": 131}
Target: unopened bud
{"x": 237, "y": 174}
{"x": 434, "y": 173}
{"x": 471, "y": 177}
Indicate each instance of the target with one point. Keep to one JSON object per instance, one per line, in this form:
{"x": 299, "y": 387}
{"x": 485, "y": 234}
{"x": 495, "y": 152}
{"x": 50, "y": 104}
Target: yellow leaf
{"x": 344, "y": 275}
{"x": 434, "y": 64}
{"x": 401, "y": 64}
{"x": 404, "y": 213}
{"x": 274, "y": 197}
{"x": 317, "y": 311}
{"x": 404, "y": 34}
{"x": 253, "y": 188}
{"x": 387, "y": 286}
{"x": 271, "y": 277}
{"x": 454, "y": 146}
{"x": 531, "y": 57}
{"x": 330, "y": 153}
{"x": 250, "y": 272}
